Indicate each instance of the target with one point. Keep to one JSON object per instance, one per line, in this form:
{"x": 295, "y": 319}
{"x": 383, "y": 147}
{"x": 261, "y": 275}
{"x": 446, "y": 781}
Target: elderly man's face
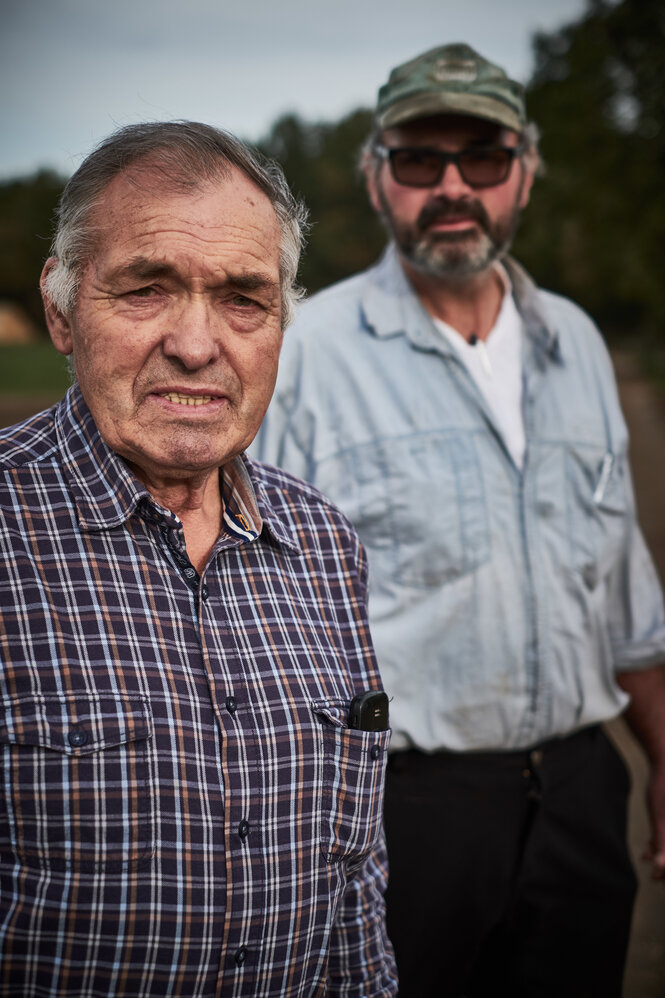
{"x": 176, "y": 333}
{"x": 451, "y": 229}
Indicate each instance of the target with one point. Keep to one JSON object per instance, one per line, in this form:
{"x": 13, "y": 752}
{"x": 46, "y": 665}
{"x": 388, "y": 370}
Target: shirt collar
{"x": 391, "y": 308}
{"x": 107, "y": 493}
{"x": 543, "y": 337}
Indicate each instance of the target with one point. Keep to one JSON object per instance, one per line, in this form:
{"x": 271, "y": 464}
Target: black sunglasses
{"x": 420, "y": 166}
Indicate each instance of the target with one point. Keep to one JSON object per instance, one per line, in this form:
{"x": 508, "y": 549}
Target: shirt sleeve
{"x": 634, "y": 599}
{"x": 635, "y": 610}
{"x": 361, "y": 963}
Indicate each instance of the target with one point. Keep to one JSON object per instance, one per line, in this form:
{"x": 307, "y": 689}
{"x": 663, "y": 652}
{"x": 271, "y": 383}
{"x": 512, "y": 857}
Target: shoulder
{"x": 302, "y": 506}
{"x": 579, "y": 336}
{"x": 565, "y": 313}
{"x": 338, "y": 304}
{"x": 286, "y": 493}
{"x": 564, "y": 320}
{"x": 28, "y": 442}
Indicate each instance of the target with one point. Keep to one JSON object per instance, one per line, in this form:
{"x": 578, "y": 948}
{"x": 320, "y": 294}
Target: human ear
{"x": 59, "y": 324}
{"x": 371, "y": 183}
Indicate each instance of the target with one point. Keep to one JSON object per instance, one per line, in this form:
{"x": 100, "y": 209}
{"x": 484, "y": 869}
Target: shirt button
{"x": 243, "y": 829}
{"x": 241, "y": 956}
{"x": 204, "y": 592}
{"x": 77, "y": 737}
{"x": 375, "y": 751}
{"x": 231, "y": 704}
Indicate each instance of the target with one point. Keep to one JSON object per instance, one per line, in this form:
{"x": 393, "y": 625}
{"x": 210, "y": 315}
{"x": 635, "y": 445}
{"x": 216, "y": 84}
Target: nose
{"x": 193, "y": 336}
{"x": 452, "y": 184}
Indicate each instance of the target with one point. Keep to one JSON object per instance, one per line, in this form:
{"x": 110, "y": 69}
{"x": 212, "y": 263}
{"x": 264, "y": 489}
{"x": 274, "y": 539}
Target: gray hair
{"x": 187, "y": 154}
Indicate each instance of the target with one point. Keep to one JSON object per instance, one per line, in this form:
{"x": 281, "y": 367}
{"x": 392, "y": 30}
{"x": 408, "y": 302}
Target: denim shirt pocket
{"x": 419, "y": 505}
{"x": 354, "y": 766}
{"x": 75, "y": 772}
{"x": 597, "y": 510}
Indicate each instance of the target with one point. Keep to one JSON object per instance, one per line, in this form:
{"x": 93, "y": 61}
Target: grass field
{"x": 35, "y": 369}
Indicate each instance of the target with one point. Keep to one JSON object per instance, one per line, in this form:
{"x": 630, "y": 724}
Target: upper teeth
{"x": 187, "y": 399}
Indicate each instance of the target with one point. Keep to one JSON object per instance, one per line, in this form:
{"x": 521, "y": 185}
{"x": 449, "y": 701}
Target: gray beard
{"x": 449, "y": 255}
{"x": 447, "y": 258}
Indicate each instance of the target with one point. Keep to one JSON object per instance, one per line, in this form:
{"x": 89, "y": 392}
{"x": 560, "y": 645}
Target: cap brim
{"x": 427, "y": 105}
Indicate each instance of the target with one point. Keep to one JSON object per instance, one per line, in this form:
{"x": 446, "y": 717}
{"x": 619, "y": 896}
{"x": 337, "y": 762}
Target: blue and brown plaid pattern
{"x": 183, "y": 808}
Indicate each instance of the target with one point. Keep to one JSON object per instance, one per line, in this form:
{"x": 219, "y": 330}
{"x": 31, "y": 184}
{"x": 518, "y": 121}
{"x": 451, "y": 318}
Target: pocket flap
{"x": 335, "y": 712}
{"x": 75, "y": 725}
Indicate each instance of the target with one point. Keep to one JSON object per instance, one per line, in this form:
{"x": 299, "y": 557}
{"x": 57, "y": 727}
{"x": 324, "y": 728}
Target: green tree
{"x": 320, "y": 163}
{"x": 596, "y": 227}
{"x": 27, "y": 209}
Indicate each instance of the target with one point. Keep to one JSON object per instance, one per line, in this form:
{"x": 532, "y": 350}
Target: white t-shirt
{"x": 496, "y": 366}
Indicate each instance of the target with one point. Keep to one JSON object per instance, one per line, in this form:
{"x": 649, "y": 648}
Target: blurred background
{"x": 298, "y": 81}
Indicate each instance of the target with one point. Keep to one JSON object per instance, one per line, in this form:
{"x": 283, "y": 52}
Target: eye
{"x": 142, "y": 292}
{"x": 242, "y": 301}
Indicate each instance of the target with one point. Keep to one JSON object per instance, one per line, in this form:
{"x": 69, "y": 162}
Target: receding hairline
{"x": 148, "y": 176}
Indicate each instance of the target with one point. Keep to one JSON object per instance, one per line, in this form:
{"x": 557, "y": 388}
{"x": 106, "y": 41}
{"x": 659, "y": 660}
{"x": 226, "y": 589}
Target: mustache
{"x": 445, "y": 207}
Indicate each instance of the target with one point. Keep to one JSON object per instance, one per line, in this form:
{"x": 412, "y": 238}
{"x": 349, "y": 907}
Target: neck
{"x": 469, "y": 304}
{"x": 197, "y": 502}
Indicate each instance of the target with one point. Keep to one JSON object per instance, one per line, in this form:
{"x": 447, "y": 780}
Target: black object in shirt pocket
{"x": 354, "y": 764}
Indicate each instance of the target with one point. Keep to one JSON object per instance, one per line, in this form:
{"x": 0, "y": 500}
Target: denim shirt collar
{"x": 391, "y": 308}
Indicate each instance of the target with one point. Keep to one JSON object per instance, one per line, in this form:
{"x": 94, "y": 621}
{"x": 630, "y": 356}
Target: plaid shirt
{"x": 183, "y": 808}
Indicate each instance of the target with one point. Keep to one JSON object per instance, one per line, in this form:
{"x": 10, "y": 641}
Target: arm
{"x": 646, "y": 718}
{"x": 361, "y": 957}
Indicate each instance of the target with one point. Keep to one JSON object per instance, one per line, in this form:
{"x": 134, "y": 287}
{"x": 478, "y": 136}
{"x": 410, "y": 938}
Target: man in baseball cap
{"x": 467, "y": 422}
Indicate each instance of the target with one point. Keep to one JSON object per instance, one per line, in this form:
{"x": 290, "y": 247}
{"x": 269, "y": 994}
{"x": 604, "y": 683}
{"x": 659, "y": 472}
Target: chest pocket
{"x": 419, "y": 505}
{"x": 77, "y": 792}
{"x": 597, "y": 508}
{"x": 354, "y": 766}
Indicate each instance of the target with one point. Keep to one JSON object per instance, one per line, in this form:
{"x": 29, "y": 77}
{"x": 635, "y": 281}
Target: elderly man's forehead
{"x": 158, "y": 175}
{"x": 146, "y": 186}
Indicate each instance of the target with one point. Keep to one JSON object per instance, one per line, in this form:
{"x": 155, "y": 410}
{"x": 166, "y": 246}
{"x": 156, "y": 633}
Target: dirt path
{"x": 644, "y": 409}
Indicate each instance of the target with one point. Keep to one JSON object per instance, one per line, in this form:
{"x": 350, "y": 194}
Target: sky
{"x": 71, "y": 71}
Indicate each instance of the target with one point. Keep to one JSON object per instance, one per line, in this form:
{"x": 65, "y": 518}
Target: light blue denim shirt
{"x": 502, "y": 600}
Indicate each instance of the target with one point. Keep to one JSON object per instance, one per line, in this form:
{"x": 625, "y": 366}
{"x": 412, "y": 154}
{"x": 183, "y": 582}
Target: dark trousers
{"x": 509, "y": 873}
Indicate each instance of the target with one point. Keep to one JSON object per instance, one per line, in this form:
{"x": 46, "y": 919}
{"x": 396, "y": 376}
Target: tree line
{"x": 595, "y": 228}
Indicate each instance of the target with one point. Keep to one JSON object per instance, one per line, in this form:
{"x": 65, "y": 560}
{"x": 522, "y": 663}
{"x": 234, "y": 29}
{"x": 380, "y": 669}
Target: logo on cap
{"x": 447, "y": 71}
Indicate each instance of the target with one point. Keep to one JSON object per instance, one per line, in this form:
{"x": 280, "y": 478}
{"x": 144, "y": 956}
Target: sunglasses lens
{"x": 416, "y": 168}
{"x": 485, "y": 168}
{"x": 424, "y": 167}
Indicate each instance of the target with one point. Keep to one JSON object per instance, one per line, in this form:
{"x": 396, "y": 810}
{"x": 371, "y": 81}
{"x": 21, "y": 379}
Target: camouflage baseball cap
{"x": 451, "y": 79}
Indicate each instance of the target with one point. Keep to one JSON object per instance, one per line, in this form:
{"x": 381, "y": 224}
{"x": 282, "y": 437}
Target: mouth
{"x": 186, "y": 398}
{"x": 453, "y": 222}
{"x": 452, "y": 217}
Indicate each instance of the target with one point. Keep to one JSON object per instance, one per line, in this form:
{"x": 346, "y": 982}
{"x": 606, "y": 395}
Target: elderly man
{"x": 190, "y": 805}
{"x": 467, "y": 423}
